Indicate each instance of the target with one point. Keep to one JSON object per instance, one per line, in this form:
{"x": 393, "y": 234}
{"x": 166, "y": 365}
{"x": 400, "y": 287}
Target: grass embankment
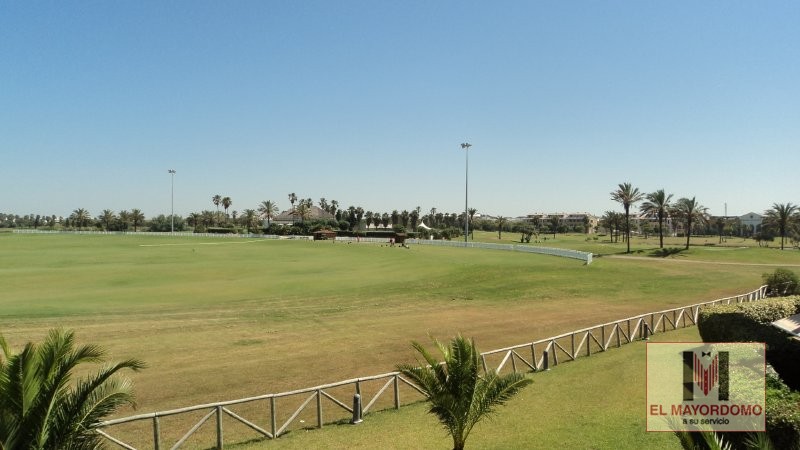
{"x": 219, "y": 319}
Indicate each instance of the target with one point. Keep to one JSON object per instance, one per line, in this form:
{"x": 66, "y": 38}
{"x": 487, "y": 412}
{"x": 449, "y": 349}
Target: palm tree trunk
{"x": 660, "y": 231}
{"x": 628, "y": 228}
{"x": 688, "y": 232}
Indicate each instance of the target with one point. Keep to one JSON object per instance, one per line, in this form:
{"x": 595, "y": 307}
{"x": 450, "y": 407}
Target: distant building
{"x": 751, "y": 223}
{"x": 290, "y": 217}
{"x": 569, "y": 220}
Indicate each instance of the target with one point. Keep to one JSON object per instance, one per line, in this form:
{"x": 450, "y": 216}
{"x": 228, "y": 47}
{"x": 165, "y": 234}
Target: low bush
{"x": 781, "y": 282}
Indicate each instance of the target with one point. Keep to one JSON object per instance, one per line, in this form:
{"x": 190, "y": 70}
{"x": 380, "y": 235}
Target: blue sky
{"x": 366, "y": 102}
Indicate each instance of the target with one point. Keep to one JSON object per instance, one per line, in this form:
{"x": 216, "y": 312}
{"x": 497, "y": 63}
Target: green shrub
{"x": 781, "y": 282}
{"x": 751, "y": 322}
{"x": 783, "y": 415}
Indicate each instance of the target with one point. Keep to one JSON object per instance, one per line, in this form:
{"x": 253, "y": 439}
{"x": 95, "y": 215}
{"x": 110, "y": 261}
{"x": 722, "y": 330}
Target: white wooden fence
{"x": 563, "y": 252}
{"x": 533, "y": 356}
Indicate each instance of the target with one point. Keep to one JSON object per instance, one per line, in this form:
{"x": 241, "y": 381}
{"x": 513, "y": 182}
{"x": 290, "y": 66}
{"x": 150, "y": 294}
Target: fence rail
{"x": 533, "y": 356}
{"x": 563, "y": 252}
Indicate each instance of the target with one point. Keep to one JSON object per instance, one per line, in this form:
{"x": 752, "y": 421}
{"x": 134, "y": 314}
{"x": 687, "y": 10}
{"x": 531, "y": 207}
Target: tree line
{"x": 782, "y": 219}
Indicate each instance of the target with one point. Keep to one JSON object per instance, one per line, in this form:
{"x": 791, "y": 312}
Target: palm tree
{"x": 501, "y": 221}
{"x": 781, "y": 216}
{"x": 458, "y": 395}
{"x": 691, "y": 212}
{"x": 268, "y": 209}
{"x": 41, "y": 407}
{"x": 627, "y": 195}
{"x": 472, "y": 212}
{"x": 80, "y": 217}
{"x": 334, "y": 206}
{"x": 249, "y": 218}
{"x": 657, "y": 205}
{"x": 226, "y": 203}
{"x": 107, "y": 217}
{"x": 554, "y": 222}
{"x": 124, "y": 219}
{"x": 292, "y": 199}
{"x": 195, "y": 218}
{"x": 216, "y": 200}
{"x": 137, "y": 217}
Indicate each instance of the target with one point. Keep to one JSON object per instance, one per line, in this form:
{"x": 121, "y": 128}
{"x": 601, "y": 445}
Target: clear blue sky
{"x": 366, "y": 102}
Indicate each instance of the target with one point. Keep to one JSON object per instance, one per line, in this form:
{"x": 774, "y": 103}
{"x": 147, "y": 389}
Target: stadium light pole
{"x": 466, "y": 146}
{"x": 172, "y": 201}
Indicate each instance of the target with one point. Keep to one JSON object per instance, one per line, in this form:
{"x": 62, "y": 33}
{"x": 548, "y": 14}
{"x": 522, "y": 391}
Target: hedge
{"x": 751, "y": 322}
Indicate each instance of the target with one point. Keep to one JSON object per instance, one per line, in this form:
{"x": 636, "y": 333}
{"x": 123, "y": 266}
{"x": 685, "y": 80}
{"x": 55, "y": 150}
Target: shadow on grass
{"x": 665, "y": 252}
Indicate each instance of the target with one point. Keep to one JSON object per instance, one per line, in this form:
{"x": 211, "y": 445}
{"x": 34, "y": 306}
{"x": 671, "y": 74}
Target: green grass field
{"x": 219, "y": 319}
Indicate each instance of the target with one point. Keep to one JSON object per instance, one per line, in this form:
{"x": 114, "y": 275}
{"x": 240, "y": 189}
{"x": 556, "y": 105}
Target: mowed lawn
{"x": 219, "y": 319}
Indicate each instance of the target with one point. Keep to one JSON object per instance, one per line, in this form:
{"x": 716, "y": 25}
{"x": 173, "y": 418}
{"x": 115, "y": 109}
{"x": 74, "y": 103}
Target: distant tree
{"x": 691, "y": 212}
{"x": 554, "y": 222}
{"x": 781, "y": 216}
{"x": 323, "y": 204}
{"x": 359, "y": 215}
{"x": 657, "y": 205}
{"x": 268, "y": 209}
{"x": 226, "y": 203}
{"x": 413, "y": 218}
{"x": 194, "y": 220}
{"x": 124, "y": 219}
{"x": 368, "y": 217}
{"x": 292, "y": 199}
{"x": 627, "y": 196}
{"x": 334, "y": 207}
{"x": 472, "y": 212}
{"x": 107, "y": 218}
{"x": 385, "y": 220}
{"x": 395, "y": 217}
{"x": 459, "y": 396}
{"x": 216, "y": 200}
{"x": 501, "y": 221}
{"x": 80, "y": 217}
{"x": 249, "y": 220}
{"x": 42, "y": 407}
{"x": 137, "y": 218}
{"x": 405, "y": 216}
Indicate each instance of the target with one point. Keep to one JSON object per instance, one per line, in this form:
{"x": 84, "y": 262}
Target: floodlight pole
{"x": 172, "y": 201}
{"x": 466, "y": 146}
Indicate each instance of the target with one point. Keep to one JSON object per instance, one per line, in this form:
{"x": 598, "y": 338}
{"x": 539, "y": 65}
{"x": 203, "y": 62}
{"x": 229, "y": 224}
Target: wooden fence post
{"x": 156, "y": 434}
{"x": 273, "y": 420}
{"x": 319, "y": 408}
{"x": 219, "y": 427}
{"x": 397, "y": 392}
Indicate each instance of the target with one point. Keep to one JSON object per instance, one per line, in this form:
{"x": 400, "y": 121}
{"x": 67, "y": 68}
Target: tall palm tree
{"x": 107, "y": 217}
{"x": 781, "y": 216}
{"x": 137, "y": 218}
{"x": 334, "y": 206}
{"x": 458, "y": 395}
{"x": 41, "y": 407}
{"x": 226, "y": 203}
{"x": 292, "y": 199}
{"x": 268, "y": 209}
{"x": 691, "y": 212}
{"x": 216, "y": 200}
{"x": 657, "y": 205}
{"x": 627, "y": 196}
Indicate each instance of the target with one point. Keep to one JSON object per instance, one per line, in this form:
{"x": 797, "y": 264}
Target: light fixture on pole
{"x": 466, "y": 147}
{"x": 172, "y": 201}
